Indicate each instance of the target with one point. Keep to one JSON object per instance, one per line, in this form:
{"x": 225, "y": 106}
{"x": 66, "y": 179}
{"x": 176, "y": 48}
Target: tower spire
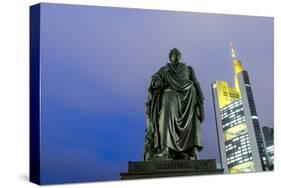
{"x": 233, "y": 51}
{"x": 237, "y": 68}
{"x": 237, "y": 64}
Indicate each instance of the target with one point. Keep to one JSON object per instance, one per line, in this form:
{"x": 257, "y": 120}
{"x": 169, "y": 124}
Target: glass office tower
{"x": 240, "y": 138}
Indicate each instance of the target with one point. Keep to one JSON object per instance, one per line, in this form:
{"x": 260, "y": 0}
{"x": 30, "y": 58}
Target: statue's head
{"x": 174, "y": 55}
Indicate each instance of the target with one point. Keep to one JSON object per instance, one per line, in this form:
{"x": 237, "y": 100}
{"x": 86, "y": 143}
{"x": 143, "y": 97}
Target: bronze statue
{"x": 174, "y": 111}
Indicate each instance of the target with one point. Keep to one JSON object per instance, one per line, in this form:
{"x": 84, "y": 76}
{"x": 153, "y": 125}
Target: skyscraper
{"x": 239, "y": 134}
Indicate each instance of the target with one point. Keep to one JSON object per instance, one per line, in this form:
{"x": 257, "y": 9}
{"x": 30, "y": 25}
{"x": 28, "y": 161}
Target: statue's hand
{"x": 157, "y": 84}
{"x": 201, "y": 112}
{"x": 201, "y": 115}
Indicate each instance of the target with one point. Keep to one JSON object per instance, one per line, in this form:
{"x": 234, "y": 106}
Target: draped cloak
{"x": 172, "y": 112}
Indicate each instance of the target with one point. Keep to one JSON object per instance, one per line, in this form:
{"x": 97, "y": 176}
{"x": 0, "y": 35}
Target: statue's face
{"x": 174, "y": 58}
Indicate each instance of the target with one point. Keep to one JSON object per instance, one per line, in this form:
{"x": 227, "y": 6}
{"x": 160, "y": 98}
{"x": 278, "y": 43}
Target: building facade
{"x": 240, "y": 138}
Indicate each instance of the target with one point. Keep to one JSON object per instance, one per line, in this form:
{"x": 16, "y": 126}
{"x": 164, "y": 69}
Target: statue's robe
{"x": 172, "y": 109}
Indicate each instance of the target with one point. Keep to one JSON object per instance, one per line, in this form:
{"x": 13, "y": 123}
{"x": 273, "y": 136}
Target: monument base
{"x": 170, "y": 168}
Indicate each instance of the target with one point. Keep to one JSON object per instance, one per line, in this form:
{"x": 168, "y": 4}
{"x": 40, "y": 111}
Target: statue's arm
{"x": 200, "y": 96}
{"x": 156, "y": 84}
{"x": 199, "y": 92}
{"x": 157, "y": 80}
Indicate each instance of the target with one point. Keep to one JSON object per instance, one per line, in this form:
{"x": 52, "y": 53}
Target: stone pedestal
{"x": 170, "y": 168}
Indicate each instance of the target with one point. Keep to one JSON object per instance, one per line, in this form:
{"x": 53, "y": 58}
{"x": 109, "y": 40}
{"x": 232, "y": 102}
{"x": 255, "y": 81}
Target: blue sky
{"x": 96, "y": 64}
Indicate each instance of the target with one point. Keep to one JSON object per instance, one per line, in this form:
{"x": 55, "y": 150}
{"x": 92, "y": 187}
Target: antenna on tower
{"x": 233, "y": 51}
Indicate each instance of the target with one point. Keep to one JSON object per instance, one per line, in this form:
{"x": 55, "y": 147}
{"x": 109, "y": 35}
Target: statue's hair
{"x": 175, "y": 51}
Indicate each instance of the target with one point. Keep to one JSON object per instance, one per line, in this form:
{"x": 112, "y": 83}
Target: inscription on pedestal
{"x": 176, "y": 165}
{"x": 150, "y": 169}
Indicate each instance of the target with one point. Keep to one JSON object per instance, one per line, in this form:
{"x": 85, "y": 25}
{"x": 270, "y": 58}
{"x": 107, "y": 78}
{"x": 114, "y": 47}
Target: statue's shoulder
{"x": 166, "y": 67}
{"x": 163, "y": 69}
{"x": 189, "y": 68}
{"x": 160, "y": 71}
{"x": 185, "y": 66}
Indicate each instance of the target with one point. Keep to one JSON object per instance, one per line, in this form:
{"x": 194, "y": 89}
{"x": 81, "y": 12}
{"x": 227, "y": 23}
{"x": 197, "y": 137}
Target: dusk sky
{"x": 96, "y": 64}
